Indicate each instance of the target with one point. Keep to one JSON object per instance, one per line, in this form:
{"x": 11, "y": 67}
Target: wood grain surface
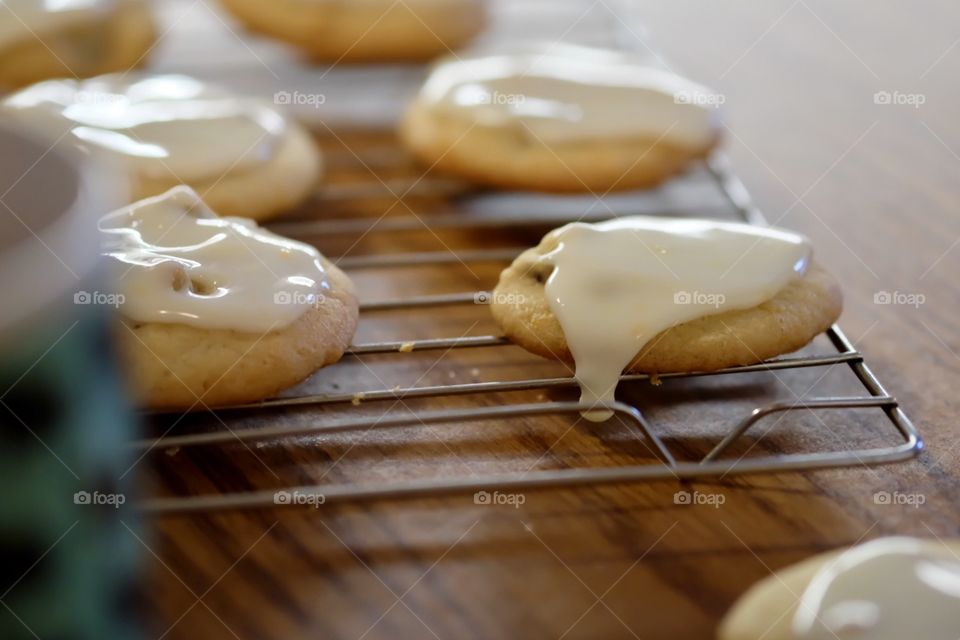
{"x": 874, "y": 185}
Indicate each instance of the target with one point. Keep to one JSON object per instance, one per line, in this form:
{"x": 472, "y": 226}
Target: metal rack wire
{"x": 713, "y": 464}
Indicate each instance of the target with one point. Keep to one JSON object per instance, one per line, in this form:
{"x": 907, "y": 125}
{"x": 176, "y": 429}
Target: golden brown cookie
{"x": 261, "y": 193}
{"x": 243, "y": 157}
{"x": 783, "y": 324}
{"x": 116, "y": 42}
{"x": 510, "y": 158}
{"x": 341, "y": 30}
{"x": 175, "y": 366}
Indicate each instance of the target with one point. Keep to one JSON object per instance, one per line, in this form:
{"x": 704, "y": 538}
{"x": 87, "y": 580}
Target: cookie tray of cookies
{"x": 716, "y": 463}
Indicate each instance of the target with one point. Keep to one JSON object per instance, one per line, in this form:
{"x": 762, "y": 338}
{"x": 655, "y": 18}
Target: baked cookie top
{"x": 163, "y": 127}
{"x": 36, "y": 18}
{"x": 412, "y": 4}
{"x": 173, "y": 261}
{"x": 661, "y": 295}
{"x": 562, "y": 94}
{"x": 885, "y": 589}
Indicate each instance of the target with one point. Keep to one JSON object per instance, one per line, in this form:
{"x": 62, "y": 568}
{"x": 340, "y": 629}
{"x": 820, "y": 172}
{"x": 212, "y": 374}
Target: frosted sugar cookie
{"x": 241, "y": 155}
{"x": 659, "y": 295}
{"x": 218, "y": 311}
{"x": 366, "y": 30}
{"x": 561, "y": 118}
{"x": 41, "y": 39}
{"x": 885, "y": 589}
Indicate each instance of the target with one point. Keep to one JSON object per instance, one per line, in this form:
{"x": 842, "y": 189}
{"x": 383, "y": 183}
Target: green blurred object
{"x": 68, "y": 542}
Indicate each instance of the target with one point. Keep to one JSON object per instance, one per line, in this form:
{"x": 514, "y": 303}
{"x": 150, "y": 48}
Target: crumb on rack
{"x": 172, "y": 451}
{"x": 406, "y": 347}
{"x": 655, "y": 380}
{"x": 358, "y": 398}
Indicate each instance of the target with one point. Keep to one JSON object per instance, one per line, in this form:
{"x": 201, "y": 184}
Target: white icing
{"x": 22, "y": 19}
{"x": 617, "y": 284}
{"x": 887, "y": 589}
{"x": 167, "y": 127}
{"x": 175, "y": 261}
{"x": 564, "y": 93}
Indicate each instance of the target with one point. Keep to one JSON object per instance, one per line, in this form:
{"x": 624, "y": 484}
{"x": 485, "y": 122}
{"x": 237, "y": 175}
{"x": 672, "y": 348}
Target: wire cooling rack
{"x": 664, "y": 467}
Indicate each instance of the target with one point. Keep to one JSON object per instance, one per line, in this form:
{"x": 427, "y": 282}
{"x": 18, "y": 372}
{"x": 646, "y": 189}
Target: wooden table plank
{"x": 876, "y": 188}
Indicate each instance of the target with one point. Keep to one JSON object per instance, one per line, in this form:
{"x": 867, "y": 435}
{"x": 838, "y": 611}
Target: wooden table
{"x": 874, "y": 185}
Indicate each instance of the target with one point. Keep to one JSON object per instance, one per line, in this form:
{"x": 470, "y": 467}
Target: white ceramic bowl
{"x": 51, "y": 196}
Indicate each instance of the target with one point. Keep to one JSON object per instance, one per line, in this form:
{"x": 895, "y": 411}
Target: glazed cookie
{"x": 886, "y": 589}
{"x": 217, "y": 311}
{"x": 71, "y": 38}
{"x": 242, "y": 156}
{"x": 367, "y": 30}
{"x": 661, "y": 295}
{"x": 561, "y": 118}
